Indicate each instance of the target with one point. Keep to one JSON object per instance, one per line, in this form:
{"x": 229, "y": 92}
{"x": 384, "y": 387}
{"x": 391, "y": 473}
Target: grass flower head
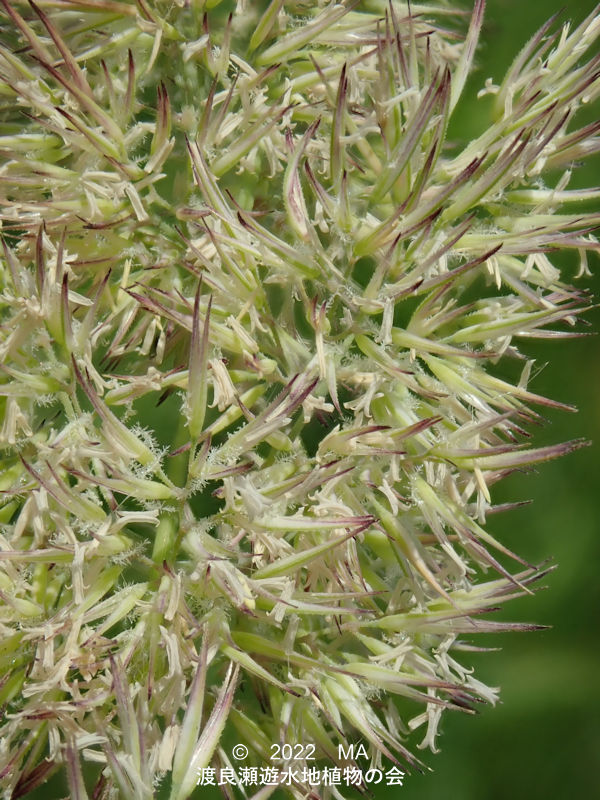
{"x": 256, "y": 308}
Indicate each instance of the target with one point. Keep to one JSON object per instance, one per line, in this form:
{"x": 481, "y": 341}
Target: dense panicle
{"x": 253, "y": 305}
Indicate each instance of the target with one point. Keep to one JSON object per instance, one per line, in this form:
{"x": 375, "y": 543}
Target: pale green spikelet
{"x": 253, "y": 303}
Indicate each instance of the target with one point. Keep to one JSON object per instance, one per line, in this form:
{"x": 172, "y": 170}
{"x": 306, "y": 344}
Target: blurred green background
{"x": 543, "y": 739}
